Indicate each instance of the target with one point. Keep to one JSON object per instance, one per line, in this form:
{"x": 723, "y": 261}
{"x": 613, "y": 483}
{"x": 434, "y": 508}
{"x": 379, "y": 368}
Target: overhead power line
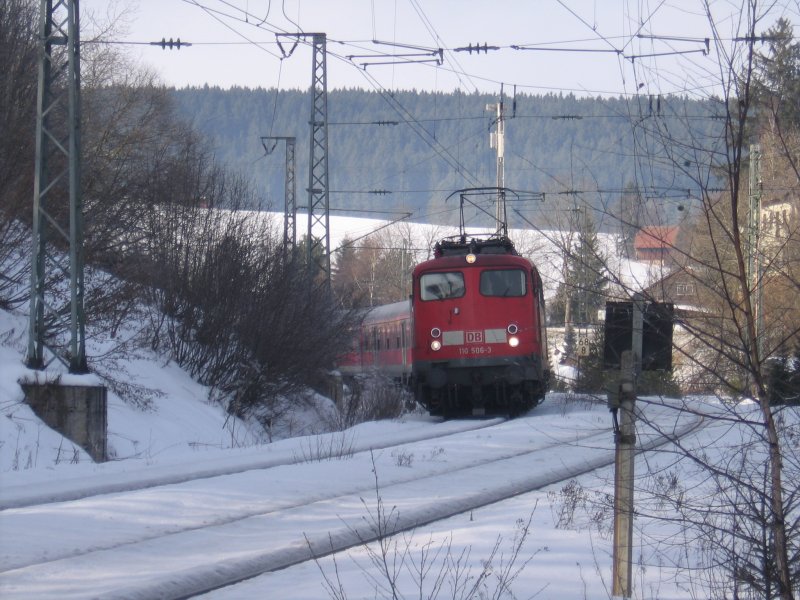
{"x": 550, "y": 49}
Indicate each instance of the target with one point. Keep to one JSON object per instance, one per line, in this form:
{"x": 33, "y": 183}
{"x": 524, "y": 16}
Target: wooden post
{"x": 623, "y": 482}
{"x": 622, "y": 579}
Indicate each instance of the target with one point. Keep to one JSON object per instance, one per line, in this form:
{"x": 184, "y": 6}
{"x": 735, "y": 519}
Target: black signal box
{"x": 657, "y": 319}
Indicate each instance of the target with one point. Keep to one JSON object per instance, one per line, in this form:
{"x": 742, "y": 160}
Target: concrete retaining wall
{"x": 77, "y": 412}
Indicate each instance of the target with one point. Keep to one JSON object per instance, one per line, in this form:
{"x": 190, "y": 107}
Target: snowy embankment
{"x": 179, "y": 432}
{"x": 184, "y": 538}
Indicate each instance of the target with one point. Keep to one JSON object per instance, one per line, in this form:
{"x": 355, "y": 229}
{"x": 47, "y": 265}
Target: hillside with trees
{"x": 409, "y": 150}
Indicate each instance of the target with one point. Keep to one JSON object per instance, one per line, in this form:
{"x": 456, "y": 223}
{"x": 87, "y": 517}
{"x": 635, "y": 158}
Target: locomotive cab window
{"x": 504, "y": 283}
{"x": 441, "y": 286}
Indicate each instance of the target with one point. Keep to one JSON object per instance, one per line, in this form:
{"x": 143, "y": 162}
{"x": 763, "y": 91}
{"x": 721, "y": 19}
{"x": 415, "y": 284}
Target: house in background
{"x": 680, "y": 287}
{"x": 655, "y": 244}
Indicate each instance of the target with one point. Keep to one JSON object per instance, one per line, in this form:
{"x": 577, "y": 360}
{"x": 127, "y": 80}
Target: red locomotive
{"x": 480, "y": 344}
{"x": 473, "y": 341}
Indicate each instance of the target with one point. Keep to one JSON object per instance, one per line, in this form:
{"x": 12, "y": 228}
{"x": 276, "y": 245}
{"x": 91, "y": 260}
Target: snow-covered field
{"x": 153, "y": 540}
{"x": 566, "y": 526}
{"x": 544, "y": 248}
{"x": 145, "y": 508}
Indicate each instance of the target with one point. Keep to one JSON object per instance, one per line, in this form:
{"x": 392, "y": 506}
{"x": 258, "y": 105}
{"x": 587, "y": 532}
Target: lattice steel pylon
{"x": 318, "y": 242}
{"x": 289, "y": 191}
{"x": 318, "y": 250}
{"x": 57, "y": 206}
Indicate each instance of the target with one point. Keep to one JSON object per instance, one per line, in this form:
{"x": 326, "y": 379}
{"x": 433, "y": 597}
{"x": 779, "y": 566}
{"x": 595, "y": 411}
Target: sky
{"x": 586, "y": 47}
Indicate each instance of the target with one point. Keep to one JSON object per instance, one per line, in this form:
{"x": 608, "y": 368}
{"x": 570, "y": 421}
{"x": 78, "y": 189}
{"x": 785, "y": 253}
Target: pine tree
{"x": 778, "y": 77}
{"x": 586, "y": 277}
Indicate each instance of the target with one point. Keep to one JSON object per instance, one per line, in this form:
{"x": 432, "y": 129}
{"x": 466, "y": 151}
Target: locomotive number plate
{"x": 475, "y": 351}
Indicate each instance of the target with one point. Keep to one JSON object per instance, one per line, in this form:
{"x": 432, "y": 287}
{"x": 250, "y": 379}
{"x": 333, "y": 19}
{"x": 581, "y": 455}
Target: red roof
{"x": 655, "y": 238}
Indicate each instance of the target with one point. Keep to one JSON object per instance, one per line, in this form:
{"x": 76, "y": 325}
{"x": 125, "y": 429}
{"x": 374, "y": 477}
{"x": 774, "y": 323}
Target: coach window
{"x": 504, "y": 283}
{"x": 441, "y": 286}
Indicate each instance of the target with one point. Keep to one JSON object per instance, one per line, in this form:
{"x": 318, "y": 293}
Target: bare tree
{"x": 17, "y": 123}
{"x": 737, "y": 305}
{"x": 750, "y": 527}
{"x": 377, "y": 269}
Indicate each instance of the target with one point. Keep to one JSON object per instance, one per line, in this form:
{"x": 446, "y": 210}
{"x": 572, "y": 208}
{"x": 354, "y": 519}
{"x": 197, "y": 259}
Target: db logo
{"x": 474, "y": 337}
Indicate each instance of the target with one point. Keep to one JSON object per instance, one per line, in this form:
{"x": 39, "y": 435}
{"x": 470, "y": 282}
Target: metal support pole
{"x": 318, "y": 242}
{"x": 498, "y": 142}
{"x": 622, "y": 575}
{"x": 754, "y": 233}
{"x": 290, "y": 199}
{"x": 57, "y": 204}
{"x": 623, "y": 483}
{"x": 289, "y": 191}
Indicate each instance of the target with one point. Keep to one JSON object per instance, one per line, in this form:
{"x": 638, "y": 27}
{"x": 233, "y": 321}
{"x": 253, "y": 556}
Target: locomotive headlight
{"x": 436, "y": 333}
{"x": 513, "y": 341}
{"x": 471, "y": 258}
{"x": 512, "y": 329}
{"x": 436, "y": 345}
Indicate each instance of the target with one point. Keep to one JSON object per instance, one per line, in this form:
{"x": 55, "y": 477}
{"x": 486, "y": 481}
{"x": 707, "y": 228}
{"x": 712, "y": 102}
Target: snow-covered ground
{"x": 565, "y": 551}
{"x": 555, "y": 542}
{"x": 154, "y": 540}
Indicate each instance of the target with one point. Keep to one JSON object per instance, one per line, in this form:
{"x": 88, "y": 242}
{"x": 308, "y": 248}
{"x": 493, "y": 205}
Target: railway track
{"x": 326, "y": 446}
{"x": 500, "y": 456}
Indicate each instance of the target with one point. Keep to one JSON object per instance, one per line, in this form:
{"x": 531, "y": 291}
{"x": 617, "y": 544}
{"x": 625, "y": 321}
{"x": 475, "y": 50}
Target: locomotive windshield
{"x": 504, "y": 283}
{"x": 440, "y": 286}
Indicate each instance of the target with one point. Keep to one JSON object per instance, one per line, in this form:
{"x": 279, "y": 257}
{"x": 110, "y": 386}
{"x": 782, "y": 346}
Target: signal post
{"x": 625, "y": 454}
{"x": 638, "y": 336}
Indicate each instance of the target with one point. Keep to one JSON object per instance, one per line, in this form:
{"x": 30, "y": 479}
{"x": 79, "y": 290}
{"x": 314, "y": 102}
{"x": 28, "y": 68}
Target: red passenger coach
{"x": 383, "y": 343}
{"x": 480, "y": 345}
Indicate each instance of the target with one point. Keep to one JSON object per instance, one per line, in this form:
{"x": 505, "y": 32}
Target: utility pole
{"x": 625, "y": 445}
{"x": 497, "y": 141}
{"x": 57, "y": 185}
{"x": 289, "y": 191}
